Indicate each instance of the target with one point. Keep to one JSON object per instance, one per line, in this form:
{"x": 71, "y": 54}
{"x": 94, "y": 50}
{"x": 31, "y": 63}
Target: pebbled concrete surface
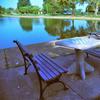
{"x": 16, "y": 86}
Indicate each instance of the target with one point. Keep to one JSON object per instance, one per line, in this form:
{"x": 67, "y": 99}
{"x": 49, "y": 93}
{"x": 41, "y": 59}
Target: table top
{"x": 81, "y": 43}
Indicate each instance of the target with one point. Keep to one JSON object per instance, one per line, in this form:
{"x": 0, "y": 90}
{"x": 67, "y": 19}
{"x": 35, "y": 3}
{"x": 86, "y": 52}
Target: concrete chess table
{"x": 79, "y": 44}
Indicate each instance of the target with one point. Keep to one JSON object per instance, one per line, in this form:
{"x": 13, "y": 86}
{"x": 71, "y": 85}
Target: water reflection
{"x": 26, "y": 23}
{"x": 2, "y": 20}
{"x": 66, "y": 28}
{"x": 93, "y": 25}
{"x": 55, "y": 26}
{"x": 98, "y": 25}
{"x": 37, "y": 30}
{"x": 36, "y": 21}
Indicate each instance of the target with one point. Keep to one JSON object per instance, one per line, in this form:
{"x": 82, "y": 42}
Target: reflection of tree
{"x": 82, "y": 31}
{"x": 26, "y": 23}
{"x": 74, "y": 32}
{"x": 54, "y": 26}
{"x": 99, "y": 25}
{"x": 63, "y": 28}
{"x": 91, "y": 26}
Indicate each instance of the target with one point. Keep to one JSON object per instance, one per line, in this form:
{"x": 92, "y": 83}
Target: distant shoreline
{"x": 55, "y": 17}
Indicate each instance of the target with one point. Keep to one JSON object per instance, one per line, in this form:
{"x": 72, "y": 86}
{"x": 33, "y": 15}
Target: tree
{"x": 52, "y": 7}
{"x": 48, "y": 6}
{"x": 70, "y": 4}
{"x": 29, "y": 9}
{"x": 90, "y": 8}
{"x": 2, "y": 10}
{"x": 95, "y": 4}
{"x": 23, "y": 3}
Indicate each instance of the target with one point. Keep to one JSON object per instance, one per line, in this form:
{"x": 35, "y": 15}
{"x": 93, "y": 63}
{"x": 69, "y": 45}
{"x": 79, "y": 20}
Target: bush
{"x": 29, "y": 10}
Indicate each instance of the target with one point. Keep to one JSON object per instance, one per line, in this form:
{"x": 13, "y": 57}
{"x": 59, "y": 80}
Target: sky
{"x": 82, "y": 6}
{"x": 13, "y": 3}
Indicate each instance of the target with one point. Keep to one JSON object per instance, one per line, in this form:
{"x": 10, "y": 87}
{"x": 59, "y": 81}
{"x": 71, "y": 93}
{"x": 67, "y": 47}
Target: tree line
{"x": 23, "y": 7}
{"x": 59, "y": 6}
{"x": 53, "y": 7}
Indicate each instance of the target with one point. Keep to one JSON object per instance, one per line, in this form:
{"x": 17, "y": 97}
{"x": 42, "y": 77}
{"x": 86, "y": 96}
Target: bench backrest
{"x": 27, "y": 55}
{"x": 22, "y": 48}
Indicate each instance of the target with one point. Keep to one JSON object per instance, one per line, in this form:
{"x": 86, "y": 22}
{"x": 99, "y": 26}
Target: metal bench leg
{"x": 43, "y": 90}
{"x": 41, "y": 93}
{"x": 26, "y": 66}
{"x": 25, "y": 72}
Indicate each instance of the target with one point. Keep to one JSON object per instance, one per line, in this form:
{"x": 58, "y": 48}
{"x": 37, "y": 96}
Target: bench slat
{"x": 44, "y": 71}
{"x": 45, "y": 65}
{"x": 43, "y": 68}
{"x": 43, "y": 76}
{"x": 59, "y": 68}
{"x": 48, "y": 66}
{"x": 52, "y": 64}
{"x": 64, "y": 69}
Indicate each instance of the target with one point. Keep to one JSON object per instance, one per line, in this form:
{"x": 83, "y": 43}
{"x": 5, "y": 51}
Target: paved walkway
{"x": 15, "y": 86}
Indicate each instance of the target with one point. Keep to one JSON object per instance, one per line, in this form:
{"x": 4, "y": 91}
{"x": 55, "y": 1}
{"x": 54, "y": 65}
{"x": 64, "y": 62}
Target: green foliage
{"x": 24, "y": 7}
{"x": 51, "y": 7}
{"x": 23, "y": 3}
{"x": 59, "y": 6}
{"x": 9, "y": 10}
{"x": 48, "y": 7}
{"x": 90, "y": 8}
{"x": 29, "y": 10}
{"x": 6, "y": 11}
{"x": 93, "y": 6}
{"x": 2, "y": 10}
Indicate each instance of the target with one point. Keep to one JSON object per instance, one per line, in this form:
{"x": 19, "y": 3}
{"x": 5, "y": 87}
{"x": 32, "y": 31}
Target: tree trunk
{"x": 73, "y": 12}
{"x": 96, "y": 10}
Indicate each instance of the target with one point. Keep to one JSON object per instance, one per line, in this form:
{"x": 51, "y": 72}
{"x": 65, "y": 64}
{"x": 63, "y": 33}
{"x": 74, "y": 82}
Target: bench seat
{"x": 48, "y": 68}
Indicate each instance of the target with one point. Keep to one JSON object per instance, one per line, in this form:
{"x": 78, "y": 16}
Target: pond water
{"x": 38, "y": 30}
